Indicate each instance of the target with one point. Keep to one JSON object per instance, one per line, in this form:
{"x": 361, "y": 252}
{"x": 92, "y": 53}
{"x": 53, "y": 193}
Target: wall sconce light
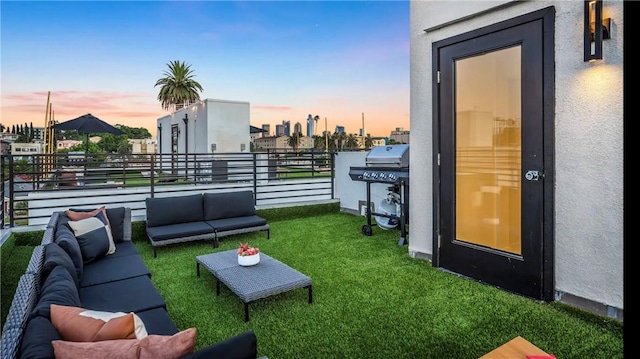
{"x": 596, "y": 29}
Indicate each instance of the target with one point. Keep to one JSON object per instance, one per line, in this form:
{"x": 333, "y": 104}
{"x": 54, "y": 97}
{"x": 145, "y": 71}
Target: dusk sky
{"x": 288, "y": 59}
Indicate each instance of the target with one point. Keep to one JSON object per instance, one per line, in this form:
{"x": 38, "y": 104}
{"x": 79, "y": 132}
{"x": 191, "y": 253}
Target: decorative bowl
{"x": 247, "y": 261}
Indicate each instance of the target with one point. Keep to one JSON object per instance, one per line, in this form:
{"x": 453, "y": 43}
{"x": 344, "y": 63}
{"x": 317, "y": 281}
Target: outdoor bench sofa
{"x": 206, "y": 216}
{"x": 63, "y": 272}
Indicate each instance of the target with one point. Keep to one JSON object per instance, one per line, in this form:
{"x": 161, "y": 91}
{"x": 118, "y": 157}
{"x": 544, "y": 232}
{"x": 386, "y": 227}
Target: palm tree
{"x": 352, "y": 142}
{"x": 368, "y": 142}
{"x": 294, "y": 141}
{"x": 178, "y": 88}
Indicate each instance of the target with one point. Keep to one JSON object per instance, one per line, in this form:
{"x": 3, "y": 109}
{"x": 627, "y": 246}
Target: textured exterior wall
{"x": 588, "y": 135}
{"x": 228, "y": 125}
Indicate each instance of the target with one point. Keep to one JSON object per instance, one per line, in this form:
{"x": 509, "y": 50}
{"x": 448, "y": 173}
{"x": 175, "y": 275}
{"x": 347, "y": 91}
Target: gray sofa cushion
{"x": 229, "y": 224}
{"x": 174, "y": 210}
{"x": 36, "y": 341}
{"x": 228, "y": 205}
{"x": 128, "y": 295}
{"x": 125, "y": 248}
{"x": 65, "y": 238}
{"x": 113, "y": 269}
{"x": 158, "y": 322}
{"x": 58, "y": 288}
{"x": 173, "y": 231}
{"x": 55, "y": 256}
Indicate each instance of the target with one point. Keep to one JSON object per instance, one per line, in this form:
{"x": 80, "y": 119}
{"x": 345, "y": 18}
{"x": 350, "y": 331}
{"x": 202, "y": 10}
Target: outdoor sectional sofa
{"x": 206, "y": 216}
{"x": 58, "y": 274}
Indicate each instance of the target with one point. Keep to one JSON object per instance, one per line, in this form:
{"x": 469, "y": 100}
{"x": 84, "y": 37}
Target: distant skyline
{"x": 288, "y": 59}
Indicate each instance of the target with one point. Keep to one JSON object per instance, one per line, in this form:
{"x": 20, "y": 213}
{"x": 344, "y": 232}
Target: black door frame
{"x": 547, "y": 15}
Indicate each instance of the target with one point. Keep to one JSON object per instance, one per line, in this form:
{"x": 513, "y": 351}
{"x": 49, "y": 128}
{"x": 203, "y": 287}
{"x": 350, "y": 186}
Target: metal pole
{"x": 12, "y": 221}
{"x": 333, "y": 174}
{"x": 153, "y": 174}
{"x": 255, "y": 179}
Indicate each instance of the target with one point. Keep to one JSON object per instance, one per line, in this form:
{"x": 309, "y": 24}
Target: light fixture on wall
{"x": 596, "y": 29}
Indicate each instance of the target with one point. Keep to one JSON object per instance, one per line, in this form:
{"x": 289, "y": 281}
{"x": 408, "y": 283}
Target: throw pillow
{"x": 54, "y": 256}
{"x": 116, "y": 222}
{"x": 100, "y": 213}
{"x": 83, "y": 325}
{"x": 94, "y": 237}
{"x": 115, "y": 218}
{"x": 75, "y": 215}
{"x": 175, "y": 346}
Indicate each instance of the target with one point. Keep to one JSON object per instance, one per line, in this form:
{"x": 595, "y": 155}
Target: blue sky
{"x": 288, "y": 59}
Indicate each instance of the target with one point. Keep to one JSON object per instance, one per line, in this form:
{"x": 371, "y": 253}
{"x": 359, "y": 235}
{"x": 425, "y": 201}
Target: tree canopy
{"x": 177, "y": 87}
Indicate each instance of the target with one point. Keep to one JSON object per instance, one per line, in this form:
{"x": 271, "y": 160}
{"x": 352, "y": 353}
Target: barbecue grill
{"x": 390, "y": 165}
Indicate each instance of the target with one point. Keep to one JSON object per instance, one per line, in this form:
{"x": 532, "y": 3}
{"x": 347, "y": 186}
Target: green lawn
{"x": 370, "y": 299}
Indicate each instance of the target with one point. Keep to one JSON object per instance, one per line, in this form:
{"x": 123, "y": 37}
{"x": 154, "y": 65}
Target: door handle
{"x": 532, "y": 175}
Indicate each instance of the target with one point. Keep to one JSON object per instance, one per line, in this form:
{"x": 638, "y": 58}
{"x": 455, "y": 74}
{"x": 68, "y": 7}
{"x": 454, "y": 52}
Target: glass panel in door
{"x": 488, "y": 149}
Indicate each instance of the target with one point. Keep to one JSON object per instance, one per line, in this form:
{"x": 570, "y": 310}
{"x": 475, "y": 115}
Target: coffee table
{"x": 267, "y": 278}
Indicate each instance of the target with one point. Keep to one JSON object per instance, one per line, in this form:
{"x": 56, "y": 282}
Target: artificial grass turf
{"x": 371, "y": 300}
{"x": 12, "y": 268}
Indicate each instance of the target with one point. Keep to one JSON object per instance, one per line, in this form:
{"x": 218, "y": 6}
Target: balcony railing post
{"x": 10, "y": 191}
{"x": 255, "y": 179}
{"x": 333, "y": 173}
{"x": 2, "y": 189}
{"x": 152, "y": 174}
{"x": 313, "y": 164}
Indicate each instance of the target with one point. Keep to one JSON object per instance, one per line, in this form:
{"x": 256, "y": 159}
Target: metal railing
{"x": 34, "y": 186}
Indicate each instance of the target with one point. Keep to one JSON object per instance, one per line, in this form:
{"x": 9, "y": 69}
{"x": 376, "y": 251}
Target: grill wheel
{"x": 366, "y": 230}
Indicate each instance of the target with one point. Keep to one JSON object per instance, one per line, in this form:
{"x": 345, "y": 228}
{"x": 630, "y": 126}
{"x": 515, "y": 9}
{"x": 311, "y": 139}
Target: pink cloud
{"x": 272, "y": 108}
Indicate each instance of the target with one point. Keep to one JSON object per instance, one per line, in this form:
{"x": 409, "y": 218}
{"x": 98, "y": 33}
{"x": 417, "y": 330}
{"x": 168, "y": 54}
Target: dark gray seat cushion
{"x": 36, "y": 340}
{"x": 65, "y": 238}
{"x": 58, "y": 288}
{"x": 173, "y": 210}
{"x": 108, "y": 270}
{"x": 157, "y": 321}
{"x": 172, "y": 231}
{"x": 228, "y": 205}
{"x": 125, "y": 248}
{"x": 129, "y": 295}
{"x": 55, "y": 256}
{"x": 229, "y": 224}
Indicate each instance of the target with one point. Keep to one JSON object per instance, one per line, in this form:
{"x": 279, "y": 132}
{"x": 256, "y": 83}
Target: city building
{"x": 279, "y": 130}
{"x": 378, "y": 141}
{"x": 297, "y": 128}
{"x": 206, "y": 126}
{"x": 66, "y": 144}
{"x": 273, "y": 143}
{"x": 255, "y": 132}
{"x": 266, "y": 130}
{"x": 26, "y": 148}
{"x": 400, "y": 135}
{"x": 287, "y": 128}
{"x": 38, "y": 133}
{"x": 143, "y": 145}
{"x": 311, "y": 126}
{"x": 339, "y": 129}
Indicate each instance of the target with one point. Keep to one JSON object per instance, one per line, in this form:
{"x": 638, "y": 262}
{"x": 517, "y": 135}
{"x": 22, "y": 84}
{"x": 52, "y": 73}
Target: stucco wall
{"x": 225, "y": 123}
{"x": 228, "y": 125}
{"x": 588, "y": 135}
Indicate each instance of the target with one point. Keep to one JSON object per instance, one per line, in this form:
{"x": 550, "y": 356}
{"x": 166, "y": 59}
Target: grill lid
{"x": 396, "y": 156}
